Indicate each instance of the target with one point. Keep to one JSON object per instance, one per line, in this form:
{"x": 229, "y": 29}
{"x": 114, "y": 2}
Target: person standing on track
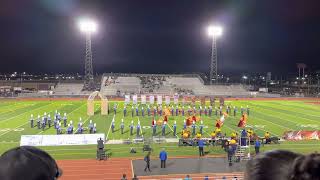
{"x": 163, "y": 158}
{"x": 201, "y": 145}
{"x": 257, "y": 145}
{"x": 147, "y": 160}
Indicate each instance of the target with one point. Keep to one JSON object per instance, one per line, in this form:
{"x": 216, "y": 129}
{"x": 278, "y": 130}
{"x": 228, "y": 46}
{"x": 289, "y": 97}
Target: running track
{"x": 113, "y": 168}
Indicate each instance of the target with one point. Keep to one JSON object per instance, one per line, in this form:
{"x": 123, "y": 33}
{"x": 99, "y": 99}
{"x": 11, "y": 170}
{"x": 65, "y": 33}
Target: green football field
{"x": 275, "y": 116}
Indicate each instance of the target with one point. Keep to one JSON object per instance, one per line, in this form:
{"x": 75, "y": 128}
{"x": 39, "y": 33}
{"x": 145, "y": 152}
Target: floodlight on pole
{"x": 214, "y": 32}
{"x": 88, "y": 27}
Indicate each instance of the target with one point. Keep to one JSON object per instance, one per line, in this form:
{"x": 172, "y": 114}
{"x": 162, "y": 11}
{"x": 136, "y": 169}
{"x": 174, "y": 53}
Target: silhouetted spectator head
{"x": 28, "y": 163}
{"x": 271, "y": 165}
{"x": 306, "y": 167}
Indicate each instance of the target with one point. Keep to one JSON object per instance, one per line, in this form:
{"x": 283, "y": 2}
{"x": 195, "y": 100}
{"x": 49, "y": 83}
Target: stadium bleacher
{"x": 68, "y": 89}
{"x": 185, "y": 84}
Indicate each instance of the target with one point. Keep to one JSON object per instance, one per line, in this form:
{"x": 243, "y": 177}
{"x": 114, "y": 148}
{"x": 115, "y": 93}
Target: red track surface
{"x": 91, "y": 169}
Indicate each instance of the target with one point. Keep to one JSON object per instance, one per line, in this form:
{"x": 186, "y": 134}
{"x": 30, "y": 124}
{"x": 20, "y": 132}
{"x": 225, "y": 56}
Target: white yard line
{"x": 28, "y": 122}
{"x": 24, "y": 113}
{"x": 110, "y": 127}
{"x": 172, "y": 130}
{"x": 140, "y": 127}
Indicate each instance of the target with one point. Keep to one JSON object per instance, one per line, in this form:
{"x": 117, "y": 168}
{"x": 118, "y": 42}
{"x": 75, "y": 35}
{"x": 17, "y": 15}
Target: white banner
{"x": 60, "y": 140}
{"x": 167, "y": 100}
{"x": 159, "y": 99}
{"x": 127, "y": 99}
{"x": 135, "y": 99}
{"x": 175, "y": 99}
{"x": 143, "y": 99}
{"x": 151, "y": 99}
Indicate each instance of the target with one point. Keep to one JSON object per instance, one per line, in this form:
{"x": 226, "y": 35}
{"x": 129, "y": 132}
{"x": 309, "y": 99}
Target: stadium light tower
{"x": 214, "y": 32}
{"x": 88, "y": 27}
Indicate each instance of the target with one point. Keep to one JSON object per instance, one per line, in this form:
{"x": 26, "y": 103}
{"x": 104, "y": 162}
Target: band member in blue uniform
{"x": 201, "y": 127}
{"x": 234, "y": 110}
{"x": 112, "y": 125}
{"x": 31, "y": 120}
{"x": 132, "y": 111}
{"x": 90, "y": 127}
{"x": 131, "y": 128}
{"x": 154, "y": 128}
{"x": 177, "y": 110}
{"x": 65, "y": 120}
{"x": 124, "y": 111}
{"x": 38, "y": 122}
{"x": 138, "y": 129}
{"x": 148, "y": 109}
{"x": 184, "y": 124}
{"x": 174, "y": 128}
{"x": 137, "y": 110}
{"x": 49, "y": 120}
{"x": 182, "y": 111}
{"x": 193, "y": 128}
{"x": 43, "y": 124}
{"x": 164, "y": 128}
{"x": 122, "y": 126}
{"x": 172, "y": 111}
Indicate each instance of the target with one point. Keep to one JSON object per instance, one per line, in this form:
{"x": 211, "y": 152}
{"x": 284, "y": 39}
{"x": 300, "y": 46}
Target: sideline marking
{"x": 110, "y": 126}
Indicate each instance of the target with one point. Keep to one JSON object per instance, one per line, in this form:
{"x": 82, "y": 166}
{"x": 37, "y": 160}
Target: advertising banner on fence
{"x": 143, "y": 99}
{"x": 167, "y": 100}
{"x": 301, "y": 135}
{"x": 151, "y": 99}
{"x": 135, "y": 99}
{"x": 175, "y": 99}
{"x": 127, "y": 99}
{"x": 159, "y": 99}
{"x": 60, "y": 140}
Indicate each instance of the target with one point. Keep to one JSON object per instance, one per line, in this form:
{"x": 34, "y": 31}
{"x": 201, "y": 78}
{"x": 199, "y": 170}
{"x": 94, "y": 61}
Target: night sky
{"x": 160, "y": 36}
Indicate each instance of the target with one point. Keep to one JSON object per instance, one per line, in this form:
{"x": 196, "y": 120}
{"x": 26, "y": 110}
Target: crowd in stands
{"x": 151, "y": 83}
{"x": 109, "y": 80}
{"x": 182, "y": 91}
{"x": 31, "y": 163}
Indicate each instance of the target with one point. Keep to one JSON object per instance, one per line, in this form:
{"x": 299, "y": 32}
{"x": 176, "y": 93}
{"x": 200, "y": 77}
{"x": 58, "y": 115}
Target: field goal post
{"x": 90, "y": 103}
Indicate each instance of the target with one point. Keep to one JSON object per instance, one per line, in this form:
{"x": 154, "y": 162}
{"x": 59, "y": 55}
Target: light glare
{"x": 87, "y": 26}
{"x": 215, "y": 31}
